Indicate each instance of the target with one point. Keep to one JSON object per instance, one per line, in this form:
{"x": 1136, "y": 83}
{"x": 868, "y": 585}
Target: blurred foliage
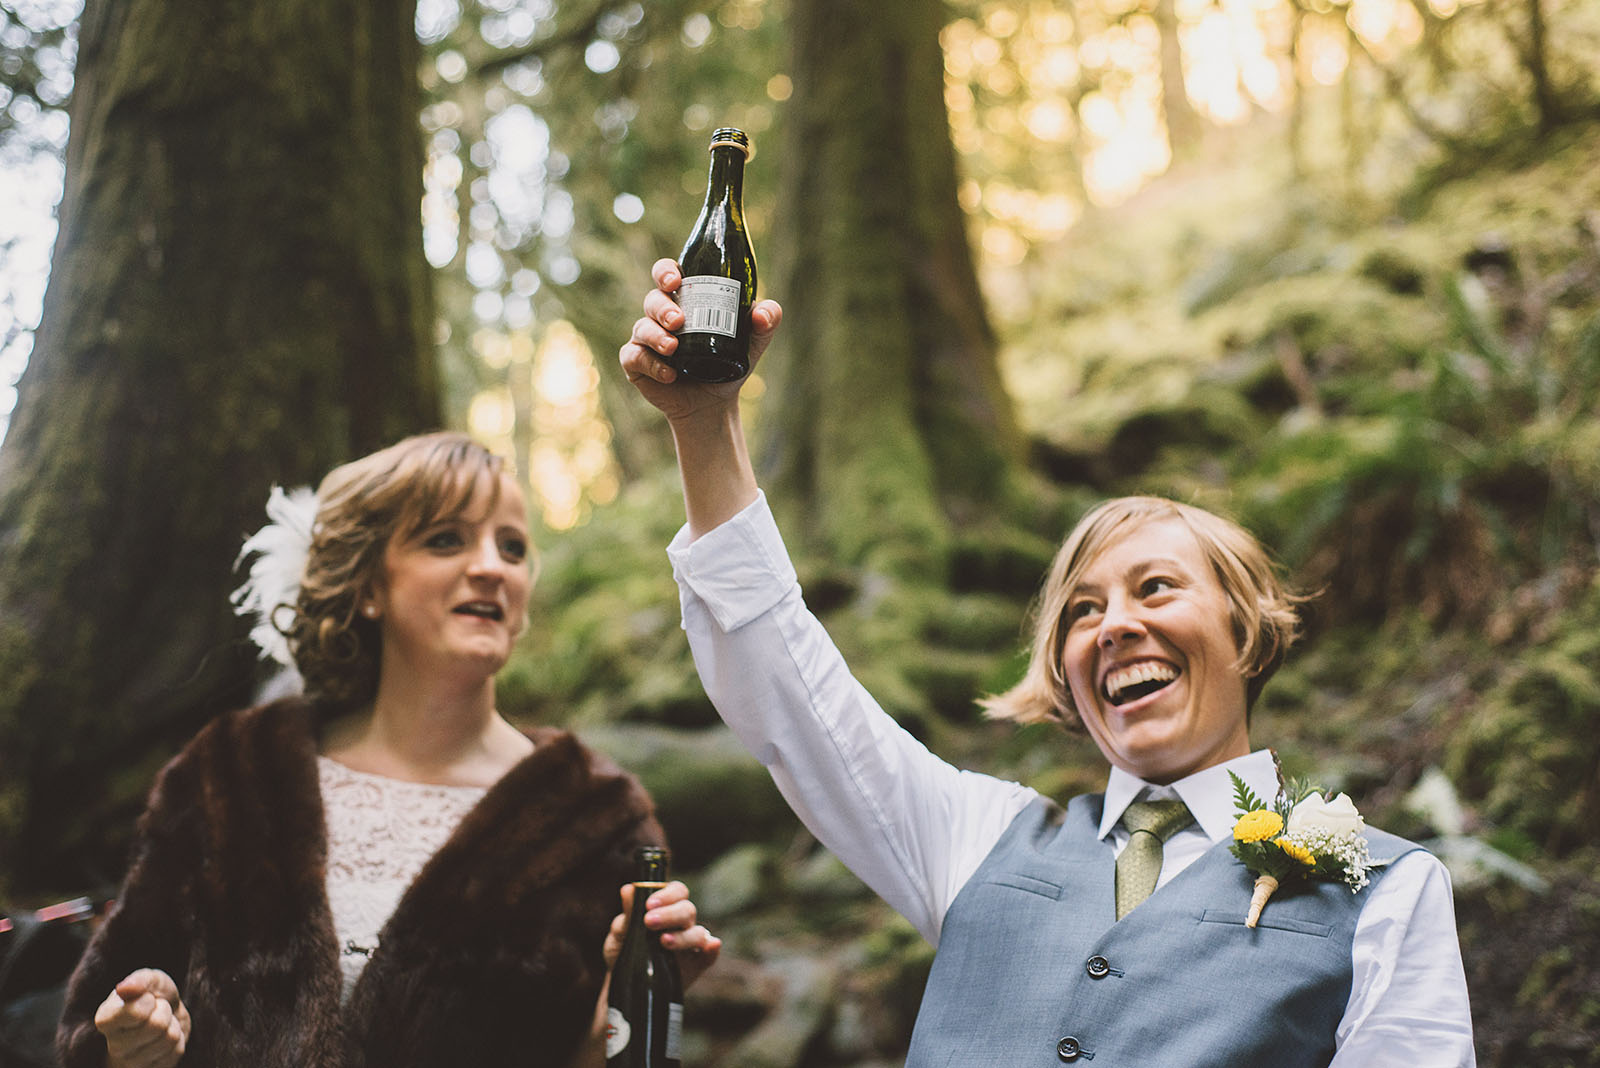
{"x": 1402, "y": 407}
{"x": 554, "y": 126}
{"x": 604, "y": 645}
{"x": 38, "y": 48}
{"x": 568, "y": 152}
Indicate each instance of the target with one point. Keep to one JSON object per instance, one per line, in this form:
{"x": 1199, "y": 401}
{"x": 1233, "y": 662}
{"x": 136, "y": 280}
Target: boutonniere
{"x": 1302, "y": 835}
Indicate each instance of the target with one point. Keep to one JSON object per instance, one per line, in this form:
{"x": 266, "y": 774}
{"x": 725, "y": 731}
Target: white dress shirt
{"x": 914, "y": 828}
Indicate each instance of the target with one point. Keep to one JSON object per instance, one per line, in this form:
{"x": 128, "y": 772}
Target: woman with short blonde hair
{"x": 1265, "y": 614}
{"x": 1114, "y": 928}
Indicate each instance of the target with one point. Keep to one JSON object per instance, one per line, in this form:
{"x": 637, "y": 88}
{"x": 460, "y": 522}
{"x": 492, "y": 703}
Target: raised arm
{"x": 909, "y": 825}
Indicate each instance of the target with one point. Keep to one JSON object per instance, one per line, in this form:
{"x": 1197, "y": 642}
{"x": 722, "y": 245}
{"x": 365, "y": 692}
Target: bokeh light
{"x": 628, "y": 207}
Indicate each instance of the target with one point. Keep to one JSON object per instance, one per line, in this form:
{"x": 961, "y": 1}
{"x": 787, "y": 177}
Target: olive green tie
{"x": 1149, "y": 823}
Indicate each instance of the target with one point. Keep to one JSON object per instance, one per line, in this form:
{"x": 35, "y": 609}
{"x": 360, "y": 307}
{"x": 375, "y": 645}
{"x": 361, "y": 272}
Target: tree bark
{"x": 886, "y": 415}
{"x": 1183, "y": 124}
{"x": 1394, "y": 84}
{"x": 1297, "y": 92}
{"x": 1350, "y": 121}
{"x": 1536, "y": 59}
{"x": 238, "y": 297}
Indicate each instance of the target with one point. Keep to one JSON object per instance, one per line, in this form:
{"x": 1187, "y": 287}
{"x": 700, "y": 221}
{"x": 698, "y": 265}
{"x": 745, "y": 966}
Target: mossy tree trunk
{"x": 238, "y": 297}
{"x": 886, "y": 415}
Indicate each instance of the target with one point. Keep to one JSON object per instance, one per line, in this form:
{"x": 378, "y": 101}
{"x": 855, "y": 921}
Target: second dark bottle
{"x": 719, "y": 272}
{"x": 644, "y": 1009}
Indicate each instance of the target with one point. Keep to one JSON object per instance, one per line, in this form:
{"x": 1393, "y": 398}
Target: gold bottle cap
{"x": 732, "y": 137}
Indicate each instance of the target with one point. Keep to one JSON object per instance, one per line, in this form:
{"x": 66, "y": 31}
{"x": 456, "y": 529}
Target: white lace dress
{"x": 381, "y": 832}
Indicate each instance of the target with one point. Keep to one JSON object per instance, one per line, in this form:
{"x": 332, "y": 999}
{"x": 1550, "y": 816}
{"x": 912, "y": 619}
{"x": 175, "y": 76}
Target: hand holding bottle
{"x": 713, "y": 458}
{"x": 644, "y": 993}
{"x": 669, "y": 911}
{"x": 653, "y": 338}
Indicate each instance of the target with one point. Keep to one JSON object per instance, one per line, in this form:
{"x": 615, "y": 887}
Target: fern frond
{"x": 1244, "y": 799}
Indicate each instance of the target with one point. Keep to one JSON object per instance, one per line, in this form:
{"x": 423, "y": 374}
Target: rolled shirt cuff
{"x": 739, "y": 570}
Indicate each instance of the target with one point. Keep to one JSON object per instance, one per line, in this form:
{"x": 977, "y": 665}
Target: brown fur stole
{"x": 492, "y": 957}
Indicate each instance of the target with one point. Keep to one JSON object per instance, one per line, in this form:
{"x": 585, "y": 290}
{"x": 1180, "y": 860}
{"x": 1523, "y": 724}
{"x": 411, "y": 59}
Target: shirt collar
{"x": 1208, "y": 792}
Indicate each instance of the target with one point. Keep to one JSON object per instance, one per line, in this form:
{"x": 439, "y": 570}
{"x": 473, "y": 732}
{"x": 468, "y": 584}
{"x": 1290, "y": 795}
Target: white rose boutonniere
{"x": 1315, "y": 813}
{"x": 1302, "y": 835}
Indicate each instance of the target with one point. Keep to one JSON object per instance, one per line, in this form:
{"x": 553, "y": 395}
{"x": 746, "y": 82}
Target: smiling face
{"x": 1150, "y": 657}
{"x": 453, "y": 594}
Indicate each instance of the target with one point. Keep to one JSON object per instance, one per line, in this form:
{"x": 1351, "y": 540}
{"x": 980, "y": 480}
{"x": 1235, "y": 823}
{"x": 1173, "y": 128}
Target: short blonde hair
{"x": 1263, "y": 611}
{"x": 361, "y": 507}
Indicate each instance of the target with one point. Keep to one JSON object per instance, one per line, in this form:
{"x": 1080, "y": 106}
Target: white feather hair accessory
{"x": 281, "y": 548}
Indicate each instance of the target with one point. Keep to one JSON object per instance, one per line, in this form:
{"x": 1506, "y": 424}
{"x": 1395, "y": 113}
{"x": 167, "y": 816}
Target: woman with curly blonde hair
{"x": 380, "y": 870}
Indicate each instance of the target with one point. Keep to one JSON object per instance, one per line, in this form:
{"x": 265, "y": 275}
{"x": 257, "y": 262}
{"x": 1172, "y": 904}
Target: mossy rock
{"x": 1528, "y": 755}
{"x": 979, "y": 621}
{"x": 1394, "y": 270}
{"x": 1210, "y": 417}
{"x": 1345, "y": 328}
{"x": 822, "y": 878}
{"x": 949, "y": 679}
{"x": 710, "y": 794}
{"x": 737, "y": 880}
{"x": 998, "y": 559}
{"x": 803, "y": 1014}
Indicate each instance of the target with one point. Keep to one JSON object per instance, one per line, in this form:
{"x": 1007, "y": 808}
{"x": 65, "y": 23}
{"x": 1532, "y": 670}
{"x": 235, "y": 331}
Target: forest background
{"x": 1331, "y": 267}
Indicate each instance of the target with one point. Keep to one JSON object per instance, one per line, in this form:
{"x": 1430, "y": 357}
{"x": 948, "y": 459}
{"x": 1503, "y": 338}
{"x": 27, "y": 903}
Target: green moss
{"x": 980, "y": 622}
{"x": 1528, "y": 755}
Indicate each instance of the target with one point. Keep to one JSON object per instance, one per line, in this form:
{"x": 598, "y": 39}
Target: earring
{"x": 370, "y": 611}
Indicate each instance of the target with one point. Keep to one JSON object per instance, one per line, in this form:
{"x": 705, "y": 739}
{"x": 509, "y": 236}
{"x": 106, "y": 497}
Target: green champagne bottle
{"x": 719, "y": 273}
{"x": 644, "y": 1013}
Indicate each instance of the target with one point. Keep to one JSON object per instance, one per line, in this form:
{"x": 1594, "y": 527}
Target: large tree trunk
{"x": 886, "y": 414}
{"x": 238, "y": 297}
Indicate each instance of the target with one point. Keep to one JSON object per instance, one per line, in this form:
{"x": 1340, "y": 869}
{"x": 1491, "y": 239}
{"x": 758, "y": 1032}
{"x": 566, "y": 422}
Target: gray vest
{"x": 1033, "y": 970}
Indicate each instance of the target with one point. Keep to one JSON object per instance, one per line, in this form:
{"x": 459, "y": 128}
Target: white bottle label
{"x": 710, "y": 305}
{"x": 674, "y": 1031}
{"x": 617, "y": 1032}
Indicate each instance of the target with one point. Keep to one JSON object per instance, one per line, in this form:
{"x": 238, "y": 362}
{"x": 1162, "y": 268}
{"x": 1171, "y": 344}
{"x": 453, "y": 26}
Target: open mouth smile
{"x": 481, "y": 610}
{"x": 1124, "y": 685}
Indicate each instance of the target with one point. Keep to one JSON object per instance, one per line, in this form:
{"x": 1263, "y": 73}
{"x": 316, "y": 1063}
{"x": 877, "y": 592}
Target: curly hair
{"x": 361, "y": 507}
{"x": 1264, "y": 612}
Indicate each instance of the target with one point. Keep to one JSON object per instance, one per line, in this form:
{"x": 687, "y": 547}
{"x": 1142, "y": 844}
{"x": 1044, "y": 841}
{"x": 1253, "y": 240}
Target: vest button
{"x": 1097, "y": 967}
{"x": 1068, "y": 1049}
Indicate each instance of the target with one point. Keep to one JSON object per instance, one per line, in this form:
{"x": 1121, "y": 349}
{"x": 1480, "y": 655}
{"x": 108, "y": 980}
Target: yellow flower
{"x": 1297, "y": 851}
{"x": 1257, "y": 825}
